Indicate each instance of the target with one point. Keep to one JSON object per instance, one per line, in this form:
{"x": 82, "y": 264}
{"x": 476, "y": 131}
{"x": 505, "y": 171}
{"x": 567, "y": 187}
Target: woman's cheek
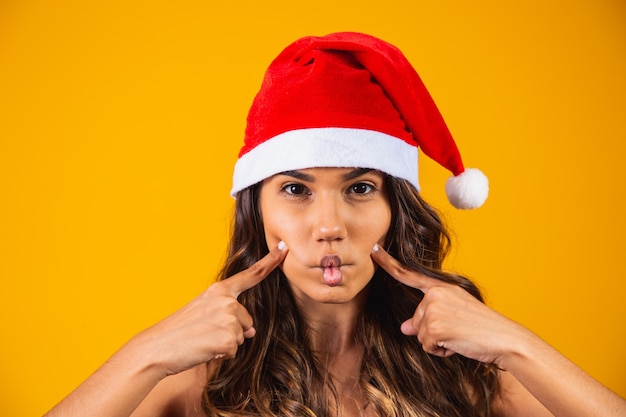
{"x": 288, "y": 268}
{"x": 277, "y": 228}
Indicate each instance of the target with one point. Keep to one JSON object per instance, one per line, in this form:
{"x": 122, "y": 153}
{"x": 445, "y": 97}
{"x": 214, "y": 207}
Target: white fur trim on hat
{"x": 326, "y": 147}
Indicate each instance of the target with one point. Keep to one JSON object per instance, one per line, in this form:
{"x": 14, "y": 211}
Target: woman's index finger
{"x": 252, "y": 276}
{"x": 398, "y": 271}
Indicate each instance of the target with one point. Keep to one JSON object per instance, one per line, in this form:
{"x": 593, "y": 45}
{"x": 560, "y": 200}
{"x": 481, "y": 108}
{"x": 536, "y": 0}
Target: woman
{"x": 327, "y": 322}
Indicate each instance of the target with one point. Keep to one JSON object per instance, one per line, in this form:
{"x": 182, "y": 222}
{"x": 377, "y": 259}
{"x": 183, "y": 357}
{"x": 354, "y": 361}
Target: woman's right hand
{"x": 212, "y": 326}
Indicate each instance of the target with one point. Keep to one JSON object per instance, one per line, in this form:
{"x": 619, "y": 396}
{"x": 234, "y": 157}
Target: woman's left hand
{"x": 449, "y": 320}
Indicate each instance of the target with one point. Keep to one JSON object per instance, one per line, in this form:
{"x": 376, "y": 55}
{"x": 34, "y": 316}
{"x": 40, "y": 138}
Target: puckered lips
{"x": 331, "y": 264}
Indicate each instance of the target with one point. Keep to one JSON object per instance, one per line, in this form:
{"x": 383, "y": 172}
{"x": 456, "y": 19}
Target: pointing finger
{"x": 252, "y": 276}
{"x": 409, "y": 278}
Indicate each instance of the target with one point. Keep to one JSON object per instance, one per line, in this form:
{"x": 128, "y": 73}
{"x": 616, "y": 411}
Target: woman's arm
{"x": 116, "y": 388}
{"x": 212, "y": 326}
{"x": 556, "y": 382}
{"x": 178, "y": 395}
{"x": 450, "y": 321}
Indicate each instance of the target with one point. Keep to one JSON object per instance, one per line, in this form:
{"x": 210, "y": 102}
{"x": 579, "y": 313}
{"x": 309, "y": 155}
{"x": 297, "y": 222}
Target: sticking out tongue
{"x": 332, "y": 273}
{"x": 332, "y": 276}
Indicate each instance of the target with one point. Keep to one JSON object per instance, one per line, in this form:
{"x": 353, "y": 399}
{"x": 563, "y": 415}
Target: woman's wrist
{"x": 521, "y": 349}
{"x": 144, "y": 358}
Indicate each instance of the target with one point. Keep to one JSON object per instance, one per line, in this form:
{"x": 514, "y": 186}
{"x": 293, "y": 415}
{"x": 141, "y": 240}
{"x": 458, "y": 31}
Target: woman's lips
{"x": 332, "y": 274}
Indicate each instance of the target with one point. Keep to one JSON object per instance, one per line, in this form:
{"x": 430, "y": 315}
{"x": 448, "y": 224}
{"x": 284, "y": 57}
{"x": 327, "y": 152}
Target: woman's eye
{"x": 361, "y": 188}
{"x": 294, "y": 189}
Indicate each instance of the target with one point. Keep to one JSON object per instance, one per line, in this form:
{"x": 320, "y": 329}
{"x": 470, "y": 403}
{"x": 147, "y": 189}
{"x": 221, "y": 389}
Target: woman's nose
{"x": 329, "y": 221}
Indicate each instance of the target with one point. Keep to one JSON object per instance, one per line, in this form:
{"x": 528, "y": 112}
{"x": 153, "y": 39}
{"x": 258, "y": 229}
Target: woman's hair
{"x": 276, "y": 373}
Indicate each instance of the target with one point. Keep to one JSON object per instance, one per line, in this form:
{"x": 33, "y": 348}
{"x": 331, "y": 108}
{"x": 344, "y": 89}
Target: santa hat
{"x": 349, "y": 100}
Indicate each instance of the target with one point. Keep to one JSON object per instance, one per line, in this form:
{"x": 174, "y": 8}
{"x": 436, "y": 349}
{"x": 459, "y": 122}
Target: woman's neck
{"x": 332, "y": 336}
{"x": 332, "y": 326}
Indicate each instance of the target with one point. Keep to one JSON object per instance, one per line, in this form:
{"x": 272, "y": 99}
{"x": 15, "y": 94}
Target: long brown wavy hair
{"x": 275, "y": 373}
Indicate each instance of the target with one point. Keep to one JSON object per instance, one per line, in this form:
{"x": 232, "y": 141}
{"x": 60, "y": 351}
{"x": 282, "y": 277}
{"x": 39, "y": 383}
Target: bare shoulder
{"x": 515, "y": 400}
{"x": 178, "y": 395}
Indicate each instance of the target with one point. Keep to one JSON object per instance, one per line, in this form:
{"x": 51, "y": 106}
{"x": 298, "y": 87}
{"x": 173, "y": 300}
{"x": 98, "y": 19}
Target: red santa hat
{"x": 349, "y": 100}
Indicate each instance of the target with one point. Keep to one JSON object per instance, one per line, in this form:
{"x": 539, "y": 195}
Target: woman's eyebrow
{"x": 355, "y": 173}
{"x": 299, "y": 175}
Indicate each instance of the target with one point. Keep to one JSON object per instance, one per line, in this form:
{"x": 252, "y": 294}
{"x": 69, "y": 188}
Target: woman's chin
{"x": 323, "y": 292}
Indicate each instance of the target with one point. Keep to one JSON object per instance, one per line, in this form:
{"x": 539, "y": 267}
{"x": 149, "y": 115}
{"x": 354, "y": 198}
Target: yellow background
{"x": 120, "y": 122}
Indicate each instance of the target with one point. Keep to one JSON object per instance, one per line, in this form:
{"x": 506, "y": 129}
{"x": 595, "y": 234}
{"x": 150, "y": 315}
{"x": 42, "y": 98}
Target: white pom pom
{"x": 468, "y": 190}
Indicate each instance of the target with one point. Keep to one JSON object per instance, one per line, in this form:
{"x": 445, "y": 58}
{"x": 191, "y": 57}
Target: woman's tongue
{"x": 332, "y": 275}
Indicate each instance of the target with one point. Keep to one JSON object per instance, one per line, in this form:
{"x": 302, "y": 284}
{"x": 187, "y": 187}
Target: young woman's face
{"x": 330, "y": 218}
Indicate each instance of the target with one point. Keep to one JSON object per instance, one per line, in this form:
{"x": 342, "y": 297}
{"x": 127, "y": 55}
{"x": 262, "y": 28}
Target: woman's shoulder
{"x": 514, "y": 400}
{"x": 178, "y": 395}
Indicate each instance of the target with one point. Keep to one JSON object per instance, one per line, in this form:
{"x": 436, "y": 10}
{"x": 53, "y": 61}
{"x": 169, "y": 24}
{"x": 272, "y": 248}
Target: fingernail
{"x": 375, "y": 248}
{"x": 282, "y": 245}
